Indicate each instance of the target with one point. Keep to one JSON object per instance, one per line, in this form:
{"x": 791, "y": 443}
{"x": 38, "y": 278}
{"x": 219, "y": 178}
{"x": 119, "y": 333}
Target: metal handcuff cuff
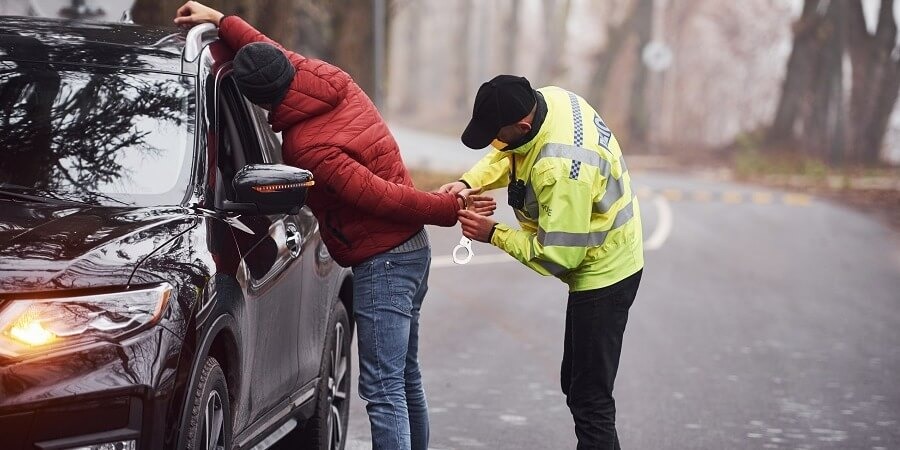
{"x": 515, "y": 198}
{"x": 464, "y": 243}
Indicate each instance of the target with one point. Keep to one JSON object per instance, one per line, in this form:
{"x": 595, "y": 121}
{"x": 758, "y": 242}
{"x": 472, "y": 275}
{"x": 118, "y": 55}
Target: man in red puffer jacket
{"x": 371, "y": 215}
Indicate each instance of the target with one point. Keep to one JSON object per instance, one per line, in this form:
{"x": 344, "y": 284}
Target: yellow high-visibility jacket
{"x": 581, "y": 221}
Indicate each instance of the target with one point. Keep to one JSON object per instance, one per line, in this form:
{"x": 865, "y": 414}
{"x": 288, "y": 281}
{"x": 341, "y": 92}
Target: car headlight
{"x": 29, "y": 326}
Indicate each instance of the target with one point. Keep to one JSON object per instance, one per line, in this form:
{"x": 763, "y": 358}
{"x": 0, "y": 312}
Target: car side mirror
{"x": 269, "y": 189}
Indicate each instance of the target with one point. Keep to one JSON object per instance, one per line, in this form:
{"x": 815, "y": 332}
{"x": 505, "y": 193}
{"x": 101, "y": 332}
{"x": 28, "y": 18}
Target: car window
{"x": 239, "y": 144}
{"x": 269, "y": 140}
{"x": 99, "y": 135}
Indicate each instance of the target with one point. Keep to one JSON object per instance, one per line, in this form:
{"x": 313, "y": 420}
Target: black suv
{"x": 161, "y": 285}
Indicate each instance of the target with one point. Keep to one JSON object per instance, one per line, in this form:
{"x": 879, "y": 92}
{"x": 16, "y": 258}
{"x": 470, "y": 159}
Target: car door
{"x": 314, "y": 267}
{"x": 269, "y": 273}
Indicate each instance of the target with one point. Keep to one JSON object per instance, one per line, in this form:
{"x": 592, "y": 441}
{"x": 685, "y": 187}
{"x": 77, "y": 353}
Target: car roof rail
{"x": 197, "y": 38}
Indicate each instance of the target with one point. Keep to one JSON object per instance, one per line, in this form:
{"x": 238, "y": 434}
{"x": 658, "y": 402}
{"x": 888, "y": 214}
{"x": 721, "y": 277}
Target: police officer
{"x": 580, "y": 222}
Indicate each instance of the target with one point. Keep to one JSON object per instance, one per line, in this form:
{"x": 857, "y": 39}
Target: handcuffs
{"x": 464, "y": 244}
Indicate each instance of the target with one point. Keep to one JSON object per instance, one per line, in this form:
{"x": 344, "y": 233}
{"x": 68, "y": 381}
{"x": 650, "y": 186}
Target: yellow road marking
{"x": 702, "y": 196}
{"x": 729, "y": 197}
{"x": 673, "y": 194}
{"x": 796, "y": 199}
{"x": 762, "y": 198}
{"x": 732, "y": 197}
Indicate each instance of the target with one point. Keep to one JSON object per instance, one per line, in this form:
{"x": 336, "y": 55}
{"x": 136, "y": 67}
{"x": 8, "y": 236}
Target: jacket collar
{"x": 527, "y": 142}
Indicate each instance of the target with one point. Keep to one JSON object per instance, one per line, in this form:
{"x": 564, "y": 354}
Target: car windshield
{"x": 97, "y": 135}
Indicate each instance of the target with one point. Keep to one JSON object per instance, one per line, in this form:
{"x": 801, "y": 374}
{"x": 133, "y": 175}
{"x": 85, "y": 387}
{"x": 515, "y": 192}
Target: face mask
{"x": 520, "y": 141}
{"x": 498, "y": 144}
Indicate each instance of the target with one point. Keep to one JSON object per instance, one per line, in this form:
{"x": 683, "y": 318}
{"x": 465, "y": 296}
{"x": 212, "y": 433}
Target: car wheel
{"x": 209, "y": 427}
{"x": 327, "y": 428}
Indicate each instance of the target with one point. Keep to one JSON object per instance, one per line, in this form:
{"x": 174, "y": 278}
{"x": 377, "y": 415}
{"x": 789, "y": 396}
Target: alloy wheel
{"x": 337, "y": 389}
{"x": 213, "y": 423}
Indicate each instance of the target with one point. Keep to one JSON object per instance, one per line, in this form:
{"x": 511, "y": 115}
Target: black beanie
{"x": 262, "y": 73}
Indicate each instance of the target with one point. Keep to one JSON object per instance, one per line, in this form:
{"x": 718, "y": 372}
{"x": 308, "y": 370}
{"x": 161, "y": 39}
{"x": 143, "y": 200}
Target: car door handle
{"x": 294, "y": 241}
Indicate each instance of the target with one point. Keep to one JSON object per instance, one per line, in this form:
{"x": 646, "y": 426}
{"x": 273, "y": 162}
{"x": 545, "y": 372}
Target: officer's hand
{"x": 482, "y": 205}
{"x": 452, "y": 188}
{"x": 475, "y": 226}
{"x": 194, "y": 13}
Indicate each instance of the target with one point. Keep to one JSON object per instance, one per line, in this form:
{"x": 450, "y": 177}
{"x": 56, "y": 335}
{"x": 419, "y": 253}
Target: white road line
{"x": 663, "y": 224}
{"x": 654, "y": 242}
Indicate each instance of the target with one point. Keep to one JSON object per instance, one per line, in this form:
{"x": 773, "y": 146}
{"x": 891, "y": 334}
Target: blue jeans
{"x": 387, "y": 296}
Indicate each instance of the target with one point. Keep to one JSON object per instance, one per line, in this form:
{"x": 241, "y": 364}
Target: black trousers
{"x": 595, "y": 323}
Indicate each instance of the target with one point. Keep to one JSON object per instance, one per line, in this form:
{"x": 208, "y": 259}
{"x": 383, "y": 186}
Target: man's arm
{"x": 195, "y": 13}
{"x": 563, "y": 235}
{"x": 316, "y": 80}
{"x": 235, "y": 34}
{"x": 564, "y": 225}
{"x": 355, "y": 185}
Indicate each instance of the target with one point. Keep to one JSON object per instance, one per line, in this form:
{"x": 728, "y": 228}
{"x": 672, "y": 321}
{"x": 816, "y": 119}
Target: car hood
{"x": 60, "y": 246}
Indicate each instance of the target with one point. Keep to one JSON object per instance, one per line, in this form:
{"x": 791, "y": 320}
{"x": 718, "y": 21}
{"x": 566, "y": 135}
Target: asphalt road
{"x": 764, "y": 320}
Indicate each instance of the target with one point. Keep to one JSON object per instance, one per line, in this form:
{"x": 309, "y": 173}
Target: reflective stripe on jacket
{"x": 581, "y": 220}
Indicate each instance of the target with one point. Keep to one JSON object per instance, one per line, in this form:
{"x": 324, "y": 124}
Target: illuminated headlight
{"x": 30, "y": 326}
{"x": 121, "y": 445}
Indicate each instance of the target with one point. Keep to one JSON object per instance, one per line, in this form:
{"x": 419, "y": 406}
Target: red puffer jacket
{"x": 364, "y": 198}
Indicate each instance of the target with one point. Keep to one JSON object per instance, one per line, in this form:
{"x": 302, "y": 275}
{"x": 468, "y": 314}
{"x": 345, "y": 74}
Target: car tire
{"x": 327, "y": 428}
{"x": 209, "y": 425}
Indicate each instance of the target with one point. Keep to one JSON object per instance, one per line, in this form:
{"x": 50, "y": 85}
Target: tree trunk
{"x": 638, "y": 114}
{"x": 511, "y": 37}
{"x": 606, "y": 58}
{"x": 876, "y": 80}
{"x": 156, "y": 12}
{"x": 811, "y": 114}
{"x": 276, "y": 18}
{"x": 556, "y": 13}
{"x": 800, "y": 70}
{"x": 354, "y": 34}
{"x": 414, "y": 69}
{"x": 314, "y": 36}
{"x": 826, "y": 119}
{"x": 463, "y": 64}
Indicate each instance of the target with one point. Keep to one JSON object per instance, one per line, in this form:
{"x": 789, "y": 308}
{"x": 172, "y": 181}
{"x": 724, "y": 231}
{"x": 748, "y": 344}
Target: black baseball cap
{"x": 503, "y": 101}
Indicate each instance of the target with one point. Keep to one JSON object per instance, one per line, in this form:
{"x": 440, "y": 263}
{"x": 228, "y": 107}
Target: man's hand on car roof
{"x": 194, "y": 13}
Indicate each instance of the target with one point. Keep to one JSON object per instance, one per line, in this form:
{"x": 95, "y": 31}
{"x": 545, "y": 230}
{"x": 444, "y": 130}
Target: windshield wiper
{"x": 40, "y": 195}
{"x": 15, "y": 191}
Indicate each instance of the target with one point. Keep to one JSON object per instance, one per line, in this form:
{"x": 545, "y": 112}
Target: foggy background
{"x": 814, "y": 78}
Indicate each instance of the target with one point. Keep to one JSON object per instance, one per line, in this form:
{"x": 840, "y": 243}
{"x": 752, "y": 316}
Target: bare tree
{"x": 811, "y": 114}
{"x": 354, "y": 34}
{"x": 638, "y": 114}
{"x": 876, "y": 79}
{"x": 511, "y": 37}
{"x": 414, "y": 62}
{"x": 463, "y": 63}
{"x": 606, "y": 58}
{"x": 277, "y": 19}
{"x": 557, "y": 14}
{"x": 630, "y": 35}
